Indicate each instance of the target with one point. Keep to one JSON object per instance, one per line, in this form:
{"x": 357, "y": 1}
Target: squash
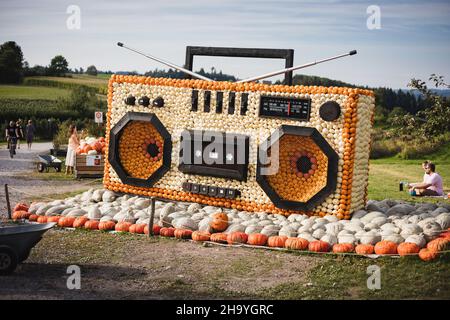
{"x": 33, "y": 217}
{"x": 439, "y": 244}
{"x": 66, "y": 222}
{"x": 296, "y": 243}
{"x": 156, "y": 229}
{"x": 257, "y": 239}
{"x": 276, "y": 241}
{"x": 79, "y": 222}
{"x": 92, "y": 224}
{"x": 182, "y": 233}
{"x": 219, "y": 222}
{"x": 106, "y": 225}
{"x": 42, "y": 219}
{"x": 319, "y": 246}
{"x": 237, "y": 237}
{"x": 21, "y": 206}
{"x": 21, "y": 214}
{"x": 53, "y": 219}
{"x": 219, "y": 237}
{"x": 386, "y": 247}
{"x": 343, "y": 248}
{"x": 427, "y": 254}
{"x": 201, "y": 236}
{"x": 137, "y": 228}
{"x": 123, "y": 226}
{"x": 407, "y": 248}
{"x": 167, "y": 232}
{"x": 364, "y": 249}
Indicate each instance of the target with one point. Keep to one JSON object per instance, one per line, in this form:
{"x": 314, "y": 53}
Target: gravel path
{"x": 14, "y": 173}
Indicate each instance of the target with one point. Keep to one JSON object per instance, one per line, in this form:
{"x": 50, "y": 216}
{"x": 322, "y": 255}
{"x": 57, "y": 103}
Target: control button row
{"x": 211, "y": 191}
{"x": 144, "y": 101}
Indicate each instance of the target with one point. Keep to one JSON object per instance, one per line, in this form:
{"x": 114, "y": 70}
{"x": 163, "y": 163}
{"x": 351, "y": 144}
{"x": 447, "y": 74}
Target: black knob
{"x": 158, "y": 102}
{"x": 130, "y": 100}
{"x": 144, "y": 101}
{"x": 330, "y": 111}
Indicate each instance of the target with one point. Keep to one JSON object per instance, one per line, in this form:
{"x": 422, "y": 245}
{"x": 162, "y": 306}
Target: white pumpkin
{"x": 287, "y": 231}
{"x": 418, "y": 239}
{"x": 318, "y": 233}
{"x": 369, "y": 238}
{"x": 106, "y": 218}
{"x": 204, "y": 224}
{"x": 306, "y": 236}
{"x": 185, "y": 223}
{"x": 253, "y": 229}
{"x": 77, "y": 213}
{"x": 347, "y": 238}
{"x": 94, "y": 213}
{"x": 410, "y": 229}
{"x": 431, "y": 230}
{"x": 235, "y": 227}
{"x": 394, "y": 238}
{"x": 444, "y": 220}
{"x": 194, "y": 207}
{"x": 108, "y": 196}
{"x": 263, "y": 223}
{"x": 332, "y": 240}
{"x": 97, "y": 195}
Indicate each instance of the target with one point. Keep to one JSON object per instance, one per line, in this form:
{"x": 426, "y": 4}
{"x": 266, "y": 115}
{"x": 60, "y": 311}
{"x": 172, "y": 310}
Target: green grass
{"x": 30, "y": 92}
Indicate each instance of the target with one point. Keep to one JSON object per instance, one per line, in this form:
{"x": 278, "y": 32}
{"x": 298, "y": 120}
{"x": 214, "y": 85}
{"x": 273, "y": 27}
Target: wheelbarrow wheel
{"x": 41, "y": 167}
{"x": 8, "y": 260}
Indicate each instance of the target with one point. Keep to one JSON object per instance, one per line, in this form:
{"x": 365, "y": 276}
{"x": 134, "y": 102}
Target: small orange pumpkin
{"x": 364, "y": 249}
{"x": 66, "y": 222}
{"x": 257, "y": 239}
{"x": 438, "y": 244}
{"x": 21, "y": 206}
{"x": 79, "y": 222}
{"x": 156, "y": 229}
{"x": 20, "y": 214}
{"x": 296, "y": 243}
{"x": 33, "y": 217}
{"x": 92, "y": 224}
{"x": 277, "y": 241}
{"x": 123, "y": 226}
{"x": 106, "y": 225}
{"x": 201, "y": 236}
{"x": 167, "y": 232}
{"x": 319, "y": 246}
{"x": 219, "y": 237}
{"x": 137, "y": 228}
{"x": 182, "y": 233}
{"x": 386, "y": 247}
{"x": 427, "y": 255}
{"x": 219, "y": 222}
{"x": 237, "y": 237}
{"x": 42, "y": 219}
{"x": 343, "y": 248}
{"x": 407, "y": 248}
{"x": 53, "y": 219}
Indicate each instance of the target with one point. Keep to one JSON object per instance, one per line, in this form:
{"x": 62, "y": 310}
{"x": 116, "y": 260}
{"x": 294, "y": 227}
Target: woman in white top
{"x": 71, "y": 149}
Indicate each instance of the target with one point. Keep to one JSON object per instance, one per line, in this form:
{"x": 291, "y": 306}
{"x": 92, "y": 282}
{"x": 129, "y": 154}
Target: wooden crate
{"x": 89, "y": 166}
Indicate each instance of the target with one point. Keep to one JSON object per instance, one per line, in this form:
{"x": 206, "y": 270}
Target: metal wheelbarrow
{"x": 16, "y": 243}
{"x": 47, "y": 161}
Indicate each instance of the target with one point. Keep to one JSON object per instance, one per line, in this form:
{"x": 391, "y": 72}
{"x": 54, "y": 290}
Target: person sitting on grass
{"x": 431, "y": 185}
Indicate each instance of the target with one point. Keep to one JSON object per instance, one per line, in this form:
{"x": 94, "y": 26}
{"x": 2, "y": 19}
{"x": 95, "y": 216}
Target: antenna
{"x": 274, "y": 73}
{"x": 120, "y": 44}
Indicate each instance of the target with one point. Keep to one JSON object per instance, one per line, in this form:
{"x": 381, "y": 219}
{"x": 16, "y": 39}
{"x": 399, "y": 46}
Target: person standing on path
{"x": 71, "y": 149}
{"x": 30, "y": 130}
{"x": 20, "y": 134}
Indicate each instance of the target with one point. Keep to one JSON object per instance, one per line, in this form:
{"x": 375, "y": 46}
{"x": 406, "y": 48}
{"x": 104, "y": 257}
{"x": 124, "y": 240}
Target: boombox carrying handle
{"x": 286, "y": 54}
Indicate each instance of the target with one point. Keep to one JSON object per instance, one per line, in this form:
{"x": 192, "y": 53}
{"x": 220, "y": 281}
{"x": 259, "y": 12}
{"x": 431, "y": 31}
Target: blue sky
{"x": 413, "y": 40}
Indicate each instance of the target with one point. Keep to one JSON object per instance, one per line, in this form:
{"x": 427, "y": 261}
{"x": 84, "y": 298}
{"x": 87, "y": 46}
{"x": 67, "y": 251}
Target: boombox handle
{"x": 286, "y": 54}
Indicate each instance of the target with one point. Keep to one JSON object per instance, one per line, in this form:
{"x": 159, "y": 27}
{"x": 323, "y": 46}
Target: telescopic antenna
{"x": 274, "y": 73}
{"x": 189, "y": 72}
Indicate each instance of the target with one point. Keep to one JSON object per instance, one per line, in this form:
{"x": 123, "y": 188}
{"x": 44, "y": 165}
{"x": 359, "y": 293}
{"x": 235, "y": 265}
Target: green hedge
{"x": 13, "y": 109}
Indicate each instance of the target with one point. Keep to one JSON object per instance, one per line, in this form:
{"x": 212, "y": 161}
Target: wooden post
{"x": 152, "y": 217}
{"x": 7, "y": 201}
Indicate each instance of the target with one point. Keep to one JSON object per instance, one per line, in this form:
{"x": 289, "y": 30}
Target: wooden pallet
{"x": 89, "y": 166}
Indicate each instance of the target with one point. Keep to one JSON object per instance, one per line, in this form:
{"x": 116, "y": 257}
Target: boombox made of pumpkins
{"x": 317, "y": 140}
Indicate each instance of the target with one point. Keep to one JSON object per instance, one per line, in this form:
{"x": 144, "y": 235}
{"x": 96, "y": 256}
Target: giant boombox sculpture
{"x": 250, "y": 146}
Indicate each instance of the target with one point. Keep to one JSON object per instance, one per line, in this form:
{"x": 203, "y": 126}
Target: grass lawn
{"x": 30, "y": 92}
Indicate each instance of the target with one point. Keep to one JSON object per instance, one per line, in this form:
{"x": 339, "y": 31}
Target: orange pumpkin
{"x": 219, "y": 237}
{"x": 427, "y": 255}
{"x": 277, "y": 241}
{"x": 219, "y": 222}
{"x": 343, "y": 248}
{"x": 156, "y": 229}
{"x": 106, "y": 225}
{"x": 137, "y": 228}
{"x": 97, "y": 146}
{"x": 257, "y": 239}
{"x": 182, "y": 233}
{"x": 407, "y": 248}
{"x": 319, "y": 246}
{"x": 167, "y": 232}
{"x": 237, "y": 237}
{"x": 296, "y": 243}
{"x": 364, "y": 249}
{"x": 438, "y": 244}
{"x": 123, "y": 226}
{"x": 20, "y": 214}
{"x": 201, "y": 236}
{"x": 92, "y": 224}
{"x": 66, "y": 222}
{"x": 53, "y": 219}
{"x": 21, "y": 206}
{"x": 79, "y": 222}
{"x": 33, "y": 217}
{"x": 386, "y": 247}
{"x": 42, "y": 219}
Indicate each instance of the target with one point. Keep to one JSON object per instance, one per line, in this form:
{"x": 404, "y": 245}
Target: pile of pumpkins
{"x": 219, "y": 223}
{"x": 92, "y": 146}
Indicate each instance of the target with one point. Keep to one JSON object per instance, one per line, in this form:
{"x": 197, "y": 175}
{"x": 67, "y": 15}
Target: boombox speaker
{"x": 249, "y": 146}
